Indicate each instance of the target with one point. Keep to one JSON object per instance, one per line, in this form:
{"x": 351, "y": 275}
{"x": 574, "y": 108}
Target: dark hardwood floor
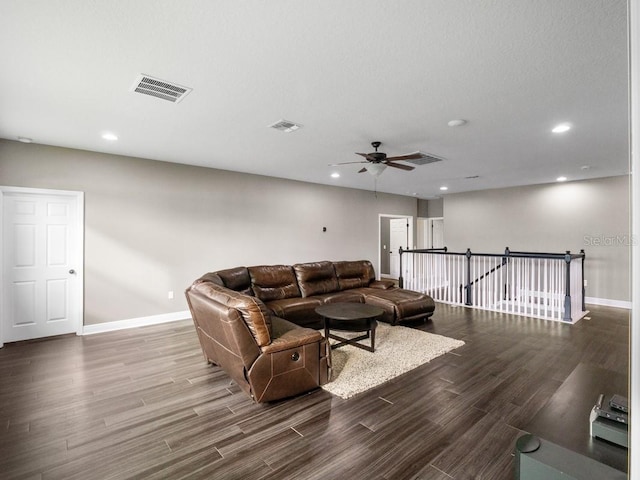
{"x": 142, "y": 403}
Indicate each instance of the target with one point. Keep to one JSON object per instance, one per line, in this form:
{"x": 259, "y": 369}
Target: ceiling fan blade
{"x": 367, "y": 156}
{"x": 343, "y": 163}
{"x": 399, "y": 165}
{"x": 408, "y": 156}
{"x": 362, "y": 170}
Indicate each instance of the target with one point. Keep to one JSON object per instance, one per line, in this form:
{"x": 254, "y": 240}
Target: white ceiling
{"x": 349, "y": 71}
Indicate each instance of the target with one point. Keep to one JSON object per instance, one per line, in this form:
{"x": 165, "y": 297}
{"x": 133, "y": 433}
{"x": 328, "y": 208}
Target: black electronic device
{"x": 618, "y": 402}
{"x": 605, "y": 411}
{"x": 609, "y": 424}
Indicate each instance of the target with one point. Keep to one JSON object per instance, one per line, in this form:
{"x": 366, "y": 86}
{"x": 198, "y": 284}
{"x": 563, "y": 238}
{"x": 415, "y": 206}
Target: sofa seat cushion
{"x": 349, "y": 296}
{"x": 288, "y": 335}
{"x": 273, "y": 282}
{"x": 400, "y": 304}
{"x": 382, "y": 284}
{"x": 300, "y": 311}
{"x": 253, "y": 311}
{"x": 316, "y": 278}
{"x": 354, "y": 274}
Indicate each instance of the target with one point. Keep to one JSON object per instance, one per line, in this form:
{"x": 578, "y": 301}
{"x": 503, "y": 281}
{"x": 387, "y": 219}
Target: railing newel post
{"x": 400, "y": 279}
{"x": 583, "y": 289}
{"x": 505, "y": 260}
{"x": 566, "y": 315}
{"x": 469, "y": 297}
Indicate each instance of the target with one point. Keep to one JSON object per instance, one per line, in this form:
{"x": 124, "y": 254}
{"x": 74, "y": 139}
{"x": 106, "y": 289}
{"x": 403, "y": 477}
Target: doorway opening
{"x": 430, "y": 232}
{"x": 395, "y": 231}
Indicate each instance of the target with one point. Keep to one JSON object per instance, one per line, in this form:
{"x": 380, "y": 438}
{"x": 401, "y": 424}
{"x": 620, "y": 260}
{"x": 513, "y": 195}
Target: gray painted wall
{"x": 592, "y": 215}
{"x": 430, "y": 208}
{"x": 152, "y": 227}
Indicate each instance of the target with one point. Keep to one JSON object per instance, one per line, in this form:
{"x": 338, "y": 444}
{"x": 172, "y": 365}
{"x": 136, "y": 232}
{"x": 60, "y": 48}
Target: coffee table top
{"x": 348, "y": 311}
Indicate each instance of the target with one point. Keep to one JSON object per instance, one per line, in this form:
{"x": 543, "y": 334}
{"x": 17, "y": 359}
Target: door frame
{"x": 409, "y": 219}
{"x": 78, "y": 256}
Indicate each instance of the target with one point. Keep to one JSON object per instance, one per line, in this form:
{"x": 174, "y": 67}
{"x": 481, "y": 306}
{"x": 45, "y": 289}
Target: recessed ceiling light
{"x": 457, "y": 123}
{"x": 443, "y": 188}
{"x": 561, "y": 179}
{"x": 25, "y": 139}
{"x": 112, "y": 137}
{"x": 335, "y": 175}
{"x": 561, "y": 128}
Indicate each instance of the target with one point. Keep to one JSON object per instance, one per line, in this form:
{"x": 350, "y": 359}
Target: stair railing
{"x": 542, "y": 285}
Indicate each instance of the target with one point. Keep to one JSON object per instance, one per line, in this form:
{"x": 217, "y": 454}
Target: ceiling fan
{"x": 378, "y": 161}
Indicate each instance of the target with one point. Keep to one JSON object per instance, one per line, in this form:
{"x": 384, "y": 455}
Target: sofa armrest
{"x": 286, "y": 335}
{"x": 382, "y": 284}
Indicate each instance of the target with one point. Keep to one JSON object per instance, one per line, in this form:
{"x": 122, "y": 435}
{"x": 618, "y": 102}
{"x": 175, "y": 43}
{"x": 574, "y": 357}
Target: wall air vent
{"x": 424, "y": 159}
{"x": 285, "y": 126}
{"x": 160, "y": 88}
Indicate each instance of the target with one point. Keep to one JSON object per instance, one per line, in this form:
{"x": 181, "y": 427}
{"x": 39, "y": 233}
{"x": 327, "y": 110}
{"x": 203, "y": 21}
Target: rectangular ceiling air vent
{"x": 286, "y": 126}
{"x": 163, "y": 89}
{"x": 424, "y": 159}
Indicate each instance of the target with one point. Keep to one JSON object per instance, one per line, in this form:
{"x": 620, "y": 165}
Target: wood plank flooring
{"x": 143, "y": 404}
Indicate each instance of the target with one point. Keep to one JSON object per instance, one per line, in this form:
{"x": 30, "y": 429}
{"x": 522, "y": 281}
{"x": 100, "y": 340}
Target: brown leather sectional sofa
{"x": 293, "y": 292}
{"x": 254, "y": 321}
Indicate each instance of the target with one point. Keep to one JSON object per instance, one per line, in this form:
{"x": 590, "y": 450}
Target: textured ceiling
{"x": 349, "y": 71}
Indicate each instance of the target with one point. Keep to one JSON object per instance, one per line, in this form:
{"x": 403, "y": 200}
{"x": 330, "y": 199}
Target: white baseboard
{"x": 607, "y": 302}
{"x": 185, "y": 315}
{"x": 135, "y": 322}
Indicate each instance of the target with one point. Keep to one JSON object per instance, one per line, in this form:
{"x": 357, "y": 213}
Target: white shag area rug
{"x": 397, "y": 350}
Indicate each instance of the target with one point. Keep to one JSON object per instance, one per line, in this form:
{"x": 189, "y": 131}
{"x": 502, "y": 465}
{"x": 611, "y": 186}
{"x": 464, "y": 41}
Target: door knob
{"x": 72, "y": 271}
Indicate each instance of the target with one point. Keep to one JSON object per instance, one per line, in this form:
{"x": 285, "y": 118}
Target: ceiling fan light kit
{"x": 376, "y": 169}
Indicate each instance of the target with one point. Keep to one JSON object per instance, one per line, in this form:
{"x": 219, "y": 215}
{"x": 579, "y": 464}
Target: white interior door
{"x": 437, "y": 232}
{"x": 41, "y": 263}
{"x": 399, "y": 230}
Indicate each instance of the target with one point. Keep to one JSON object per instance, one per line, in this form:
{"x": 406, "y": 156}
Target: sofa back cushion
{"x": 234, "y": 278}
{"x": 316, "y": 278}
{"x": 254, "y": 313}
{"x": 273, "y": 282}
{"x": 354, "y": 274}
{"x": 237, "y": 279}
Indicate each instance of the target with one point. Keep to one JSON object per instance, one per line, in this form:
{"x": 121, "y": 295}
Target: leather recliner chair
{"x": 268, "y": 357}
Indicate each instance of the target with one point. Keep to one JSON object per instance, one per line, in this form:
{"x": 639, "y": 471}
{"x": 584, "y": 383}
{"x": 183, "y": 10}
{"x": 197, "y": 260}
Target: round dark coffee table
{"x": 350, "y": 317}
